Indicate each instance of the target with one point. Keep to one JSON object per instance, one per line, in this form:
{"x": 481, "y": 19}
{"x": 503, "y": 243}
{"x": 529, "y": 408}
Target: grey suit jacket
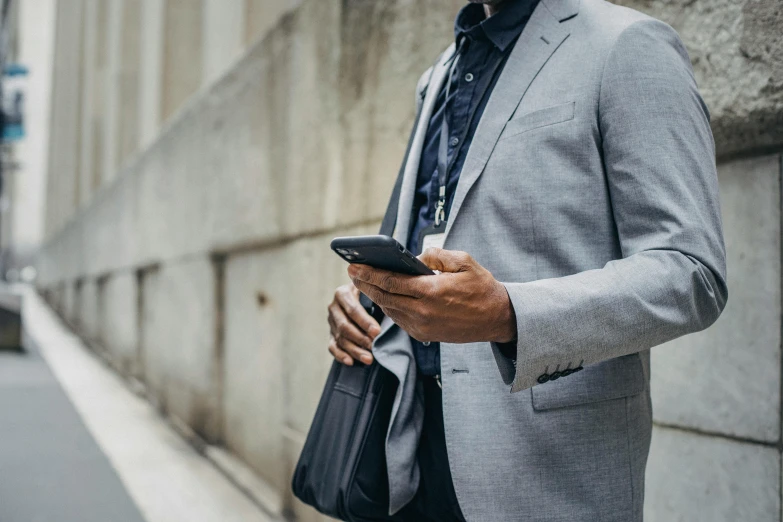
{"x": 590, "y": 190}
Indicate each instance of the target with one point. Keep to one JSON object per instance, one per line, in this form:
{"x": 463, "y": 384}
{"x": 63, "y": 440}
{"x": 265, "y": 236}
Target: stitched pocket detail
{"x": 539, "y": 118}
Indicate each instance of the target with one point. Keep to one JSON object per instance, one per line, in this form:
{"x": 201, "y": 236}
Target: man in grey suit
{"x": 562, "y": 168}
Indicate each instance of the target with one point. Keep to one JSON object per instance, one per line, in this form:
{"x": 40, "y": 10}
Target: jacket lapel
{"x": 408, "y": 189}
{"x": 541, "y": 37}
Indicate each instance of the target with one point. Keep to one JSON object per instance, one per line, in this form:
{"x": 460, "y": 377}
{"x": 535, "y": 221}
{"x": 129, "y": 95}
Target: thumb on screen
{"x": 446, "y": 260}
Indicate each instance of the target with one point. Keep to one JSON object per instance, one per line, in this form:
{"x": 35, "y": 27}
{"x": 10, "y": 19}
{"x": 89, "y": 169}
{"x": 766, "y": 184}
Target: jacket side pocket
{"x": 607, "y": 380}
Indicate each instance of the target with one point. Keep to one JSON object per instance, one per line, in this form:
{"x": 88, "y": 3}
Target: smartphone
{"x": 382, "y": 252}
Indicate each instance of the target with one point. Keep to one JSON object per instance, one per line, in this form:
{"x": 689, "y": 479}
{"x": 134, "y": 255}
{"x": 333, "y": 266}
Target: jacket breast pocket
{"x": 612, "y": 379}
{"x": 538, "y": 118}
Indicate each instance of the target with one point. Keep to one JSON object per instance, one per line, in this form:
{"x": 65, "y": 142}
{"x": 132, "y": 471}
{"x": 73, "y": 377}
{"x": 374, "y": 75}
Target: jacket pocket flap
{"x": 539, "y": 118}
{"x": 612, "y": 379}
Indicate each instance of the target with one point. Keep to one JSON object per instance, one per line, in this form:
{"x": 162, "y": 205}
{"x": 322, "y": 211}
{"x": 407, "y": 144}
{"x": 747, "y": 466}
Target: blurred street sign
{"x": 14, "y": 87}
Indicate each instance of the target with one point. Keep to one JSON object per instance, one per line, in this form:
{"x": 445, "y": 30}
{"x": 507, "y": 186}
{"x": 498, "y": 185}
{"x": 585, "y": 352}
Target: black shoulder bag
{"x": 342, "y": 468}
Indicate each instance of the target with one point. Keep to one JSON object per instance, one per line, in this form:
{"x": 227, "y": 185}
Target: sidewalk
{"x": 77, "y": 445}
{"x": 50, "y": 467}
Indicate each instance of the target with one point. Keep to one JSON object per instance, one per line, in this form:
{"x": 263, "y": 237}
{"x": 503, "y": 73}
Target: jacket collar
{"x": 540, "y": 39}
{"x": 501, "y": 29}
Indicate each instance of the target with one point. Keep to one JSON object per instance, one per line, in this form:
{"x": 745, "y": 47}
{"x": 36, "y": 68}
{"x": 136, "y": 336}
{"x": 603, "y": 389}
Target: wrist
{"x": 503, "y": 317}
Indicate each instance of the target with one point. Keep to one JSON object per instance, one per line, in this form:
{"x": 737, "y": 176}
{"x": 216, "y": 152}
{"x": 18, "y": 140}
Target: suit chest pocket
{"x": 538, "y": 118}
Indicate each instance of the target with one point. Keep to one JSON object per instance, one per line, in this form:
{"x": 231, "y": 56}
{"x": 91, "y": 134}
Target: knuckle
{"x": 464, "y": 258}
{"x": 378, "y": 298}
{"x": 388, "y": 282}
{"x": 432, "y": 287}
{"x": 353, "y": 307}
{"x": 343, "y": 294}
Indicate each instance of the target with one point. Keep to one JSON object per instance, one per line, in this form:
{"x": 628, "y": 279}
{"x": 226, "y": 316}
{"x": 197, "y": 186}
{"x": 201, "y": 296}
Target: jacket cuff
{"x": 517, "y": 370}
{"x": 506, "y": 359}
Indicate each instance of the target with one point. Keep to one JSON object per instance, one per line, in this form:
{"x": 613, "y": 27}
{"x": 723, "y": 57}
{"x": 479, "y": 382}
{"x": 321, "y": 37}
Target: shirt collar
{"x": 501, "y": 29}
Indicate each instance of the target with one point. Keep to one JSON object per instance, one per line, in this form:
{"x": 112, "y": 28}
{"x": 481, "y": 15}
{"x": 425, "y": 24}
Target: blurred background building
{"x": 186, "y": 163}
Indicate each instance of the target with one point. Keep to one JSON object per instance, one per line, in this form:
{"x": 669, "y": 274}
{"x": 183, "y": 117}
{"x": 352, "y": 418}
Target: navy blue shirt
{"x": 482, "y": 43}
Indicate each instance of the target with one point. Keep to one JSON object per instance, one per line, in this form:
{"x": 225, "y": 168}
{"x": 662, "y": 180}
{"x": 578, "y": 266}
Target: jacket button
{"x": 555, "y": 376}
{"x": 543, "y": 378}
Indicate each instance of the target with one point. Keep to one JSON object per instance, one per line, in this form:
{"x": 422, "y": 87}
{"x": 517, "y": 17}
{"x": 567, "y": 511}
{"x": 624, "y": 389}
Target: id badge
{"x": 432, "y": 236}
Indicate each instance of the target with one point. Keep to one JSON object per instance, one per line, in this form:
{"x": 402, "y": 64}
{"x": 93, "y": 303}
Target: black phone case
{"x": 382, "y": 252}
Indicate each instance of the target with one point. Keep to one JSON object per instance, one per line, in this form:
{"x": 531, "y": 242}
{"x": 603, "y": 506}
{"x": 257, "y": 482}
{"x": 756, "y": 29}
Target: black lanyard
{"x": 444, "y": 164}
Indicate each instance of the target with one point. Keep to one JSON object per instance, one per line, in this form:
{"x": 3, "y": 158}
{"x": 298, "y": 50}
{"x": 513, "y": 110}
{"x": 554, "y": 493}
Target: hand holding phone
{"x": 382, "y": 252}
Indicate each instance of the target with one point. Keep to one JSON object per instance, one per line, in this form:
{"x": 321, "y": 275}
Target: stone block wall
{"x": 201, "y": 266}
{"x": 716, "y": 394}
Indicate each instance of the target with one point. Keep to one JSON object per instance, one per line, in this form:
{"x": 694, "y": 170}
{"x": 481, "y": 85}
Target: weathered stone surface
{"x": 307, "y": 359}
{"x": 261, "y": 16}
{"x": 92, "y": 105}
{"x": 70, "y": 301}
{"x": 223, "y": 32}
{"x": 182, "y": 53}
{"x": 129, "y": 80}
{"x": 276, "y": 356}
{"x": 253, "y": 392}
{"x": 87, "y": 316}
{"x": 301, "y": 141}
{"x": 694, "y": 478}
{"x": 150, "y": 63}
{"x": 736, "y": 49}
{"x": 244, "y": 164}
{"x": 61, "y": 189}
{"x": 727, "y": 378}
{"x": 118, "y": 318}
{"x": 178, "y": 343}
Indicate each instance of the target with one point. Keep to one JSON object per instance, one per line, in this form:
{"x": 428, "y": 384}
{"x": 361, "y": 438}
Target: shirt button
{"x": 426, "y": 343}
{"x": 469, "y": 77}
{"x": 454, "y": 141}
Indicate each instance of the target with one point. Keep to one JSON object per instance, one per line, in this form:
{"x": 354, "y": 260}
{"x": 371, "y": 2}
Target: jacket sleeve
{"x": 659, "y": 159}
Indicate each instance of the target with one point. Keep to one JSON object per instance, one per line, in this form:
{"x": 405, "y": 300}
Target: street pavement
{"x": 51, "y": 469}
{"x": 77, "y": 445}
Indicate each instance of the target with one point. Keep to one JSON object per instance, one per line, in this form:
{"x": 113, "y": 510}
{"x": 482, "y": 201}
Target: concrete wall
{"x": 716, "y": 394}
{"x": 203, "y": 267}
{"x": 25, "y": 184}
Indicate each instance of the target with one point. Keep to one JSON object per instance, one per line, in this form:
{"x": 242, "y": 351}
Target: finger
{"x": 447, "y": 260}
{"x": 391, "y": 282}
{"x": 344, "y": 328}
{"x": 338, "y": 354}
{"x": 385, "y": 299}
{"x": 373, "y": 292}
{"x": 354, "y": 350}
{"x": 410, "y": 324}
{"x": 350, "y": 304}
